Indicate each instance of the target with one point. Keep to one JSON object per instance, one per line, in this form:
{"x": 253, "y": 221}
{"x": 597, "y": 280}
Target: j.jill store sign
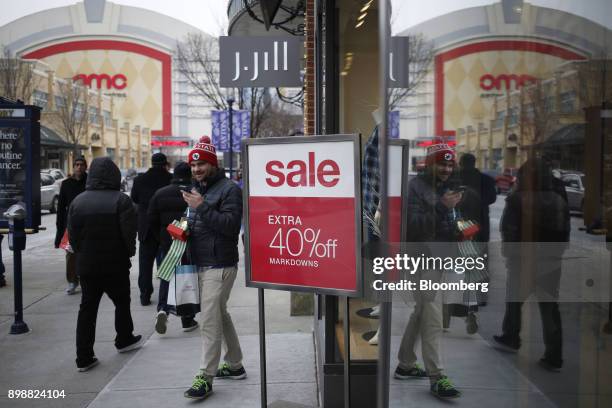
{"x": 260, "y": 61}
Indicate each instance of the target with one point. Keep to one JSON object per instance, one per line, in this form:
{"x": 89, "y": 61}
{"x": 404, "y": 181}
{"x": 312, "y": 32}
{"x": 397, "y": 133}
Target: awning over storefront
{"x": 50, "y": 138}
{"x": 568, "y": 135}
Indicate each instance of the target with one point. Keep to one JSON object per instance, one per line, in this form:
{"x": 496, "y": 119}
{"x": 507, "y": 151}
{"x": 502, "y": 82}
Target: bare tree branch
{"x": 17, "y": 79}
{"x": 198, "y": 62}
{"x": 420, "y": 59}
{"x": 72, "y": 116}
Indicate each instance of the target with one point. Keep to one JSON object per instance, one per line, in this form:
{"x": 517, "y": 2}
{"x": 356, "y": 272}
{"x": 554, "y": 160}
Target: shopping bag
{"x": 171, "y": 260}
{"x": 178, "y": 229}
{"x": 184, "y": 287}
{"x": 65, "y": 243}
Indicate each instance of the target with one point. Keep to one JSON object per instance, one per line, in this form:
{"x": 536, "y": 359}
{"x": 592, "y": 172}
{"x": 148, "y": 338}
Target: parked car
{"x": 574, "y": 187}
{"x": 505, "y": 181}
{"x": 57, "y": 174}
{"x": 49, "y": 192}
{"x": 127, "y": 179}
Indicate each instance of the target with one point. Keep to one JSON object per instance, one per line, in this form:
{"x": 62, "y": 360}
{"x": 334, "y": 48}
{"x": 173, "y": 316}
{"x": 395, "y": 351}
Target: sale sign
{"x": 397, "y": 185}
{"x": 303, "y": 210}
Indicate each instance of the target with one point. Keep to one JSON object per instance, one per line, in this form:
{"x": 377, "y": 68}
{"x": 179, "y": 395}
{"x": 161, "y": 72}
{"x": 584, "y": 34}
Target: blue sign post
{"x": 394, "y": 125}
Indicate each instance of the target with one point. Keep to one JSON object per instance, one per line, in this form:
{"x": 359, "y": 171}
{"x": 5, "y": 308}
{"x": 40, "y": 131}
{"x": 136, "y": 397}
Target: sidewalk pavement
{"x": 157, "y": 374}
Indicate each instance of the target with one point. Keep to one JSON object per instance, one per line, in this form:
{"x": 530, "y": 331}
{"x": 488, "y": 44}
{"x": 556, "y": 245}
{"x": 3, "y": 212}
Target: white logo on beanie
{"x": 448, "y": 156}
{"x": 196, "y": 156}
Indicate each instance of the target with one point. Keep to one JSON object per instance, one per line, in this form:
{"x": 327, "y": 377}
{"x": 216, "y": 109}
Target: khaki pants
{"x": 426, "y": 322}
{"x": 216, "y": 323}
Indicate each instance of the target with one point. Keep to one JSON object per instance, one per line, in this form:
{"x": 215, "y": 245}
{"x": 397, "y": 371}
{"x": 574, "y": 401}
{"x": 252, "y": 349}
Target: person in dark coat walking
{"x": 535, "y": 229}
{"x": 479, "y": 195}
{"x": 166, "y": 206}
{"x": 143, "y": 189}
{"x": 102, "y": 233}
{"x": 70, "y": 188}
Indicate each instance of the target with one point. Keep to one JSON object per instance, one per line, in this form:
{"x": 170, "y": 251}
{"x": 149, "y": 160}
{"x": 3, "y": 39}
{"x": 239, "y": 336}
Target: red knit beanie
{"x": 203, "y": 151}
{"x": 438, "y": 153}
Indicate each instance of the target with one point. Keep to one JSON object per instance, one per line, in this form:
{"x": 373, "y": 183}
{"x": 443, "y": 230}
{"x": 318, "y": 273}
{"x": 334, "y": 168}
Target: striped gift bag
{"x": 173, "y": 258}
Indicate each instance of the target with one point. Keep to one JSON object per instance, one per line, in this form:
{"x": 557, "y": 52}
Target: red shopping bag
{"x": 65, "y": 243}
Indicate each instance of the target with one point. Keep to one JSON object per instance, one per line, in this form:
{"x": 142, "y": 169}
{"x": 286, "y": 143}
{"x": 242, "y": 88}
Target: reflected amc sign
{"x": 303, "y": 228}
{"x": 99, "y": 81}
{"x": 489, "y": 82}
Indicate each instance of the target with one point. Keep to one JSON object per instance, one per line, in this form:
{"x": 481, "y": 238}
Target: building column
{"x": 128, "y": 156}
{"x": 309, "y": 77}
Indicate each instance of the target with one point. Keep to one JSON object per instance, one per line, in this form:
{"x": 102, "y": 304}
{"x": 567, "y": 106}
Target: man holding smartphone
{"x": 214, "y": 225}
{"x": 431, "y": 202}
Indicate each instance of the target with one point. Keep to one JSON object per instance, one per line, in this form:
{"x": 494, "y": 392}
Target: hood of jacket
{"x": 103, "y": 175}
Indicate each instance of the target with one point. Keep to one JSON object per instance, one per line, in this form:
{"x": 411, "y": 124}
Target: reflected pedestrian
{"x": 537, "y": 215}
{"x": 479, "y": 194}
{"x": 431, "y": 202}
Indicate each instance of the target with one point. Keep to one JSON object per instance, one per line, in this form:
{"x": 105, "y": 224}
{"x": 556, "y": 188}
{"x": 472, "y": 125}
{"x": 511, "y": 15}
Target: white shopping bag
{"x": 184, "y": 287}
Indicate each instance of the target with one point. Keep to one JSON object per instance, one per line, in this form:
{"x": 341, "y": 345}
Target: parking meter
{"x": 16, "y": 215}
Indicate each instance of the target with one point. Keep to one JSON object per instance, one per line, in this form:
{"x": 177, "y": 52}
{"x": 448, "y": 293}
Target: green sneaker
{"x": 226, "y": 372}
{"x": 200, "y": 388}
{"x": 444, "y": 389}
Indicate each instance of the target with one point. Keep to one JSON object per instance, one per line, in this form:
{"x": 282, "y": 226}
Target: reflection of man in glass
{"x": 431, "y": 203}
{"x": 535, "y": 213}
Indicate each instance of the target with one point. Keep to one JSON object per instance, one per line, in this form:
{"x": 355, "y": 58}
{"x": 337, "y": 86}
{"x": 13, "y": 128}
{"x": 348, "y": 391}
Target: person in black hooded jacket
{"x": 166, "y": 206}
{"x": 102, "y": 233}
{"x": 143, "y": 189}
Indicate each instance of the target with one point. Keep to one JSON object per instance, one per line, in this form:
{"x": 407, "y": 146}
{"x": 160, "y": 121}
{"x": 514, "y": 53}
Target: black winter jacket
{"x": 428, "y": 220}
{"x": 102, "y": 223}
{"x": 479, "y": 195}
{"x": 143, "y": 190}
{"x": 215, "y": 226}
{"x": 166, "y": 206}
{"x": 70, "y": 188}
{"x": 535, "y": 216}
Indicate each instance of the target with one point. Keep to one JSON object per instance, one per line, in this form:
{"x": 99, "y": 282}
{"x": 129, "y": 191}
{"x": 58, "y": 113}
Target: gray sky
{"x": 210, "y": 15}
{"x": 408, "y": 13}
{"x": 207, "y": 15}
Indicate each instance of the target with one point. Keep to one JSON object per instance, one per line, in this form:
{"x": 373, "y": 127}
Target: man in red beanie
{"x": 215, "y": 218}
{"x": 431, "y": 202}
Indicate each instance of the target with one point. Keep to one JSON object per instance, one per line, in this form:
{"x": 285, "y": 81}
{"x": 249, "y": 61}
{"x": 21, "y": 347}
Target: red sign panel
{"x": 303, "y": 206}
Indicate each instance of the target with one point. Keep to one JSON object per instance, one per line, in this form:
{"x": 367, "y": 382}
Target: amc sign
{"x": 489, "y": 82}
{"x": 118, "y": 81}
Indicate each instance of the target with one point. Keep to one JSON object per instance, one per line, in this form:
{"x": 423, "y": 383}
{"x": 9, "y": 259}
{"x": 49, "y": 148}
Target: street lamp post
{"x": 230, "y": 102}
